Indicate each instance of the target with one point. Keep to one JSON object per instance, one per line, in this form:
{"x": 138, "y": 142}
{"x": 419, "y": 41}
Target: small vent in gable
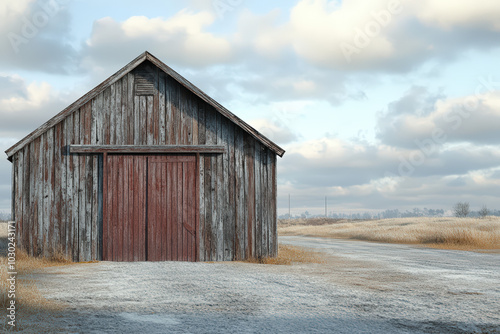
{"x": 144, "y": 83}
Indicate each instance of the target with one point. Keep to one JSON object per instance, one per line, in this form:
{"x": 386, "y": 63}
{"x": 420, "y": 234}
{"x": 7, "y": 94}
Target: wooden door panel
{"x": 124, "y": 216}
{"x": 171, "y": 208}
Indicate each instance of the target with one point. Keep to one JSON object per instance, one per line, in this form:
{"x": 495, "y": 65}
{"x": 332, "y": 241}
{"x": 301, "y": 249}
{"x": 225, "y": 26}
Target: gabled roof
{"x": 117, "y": 76}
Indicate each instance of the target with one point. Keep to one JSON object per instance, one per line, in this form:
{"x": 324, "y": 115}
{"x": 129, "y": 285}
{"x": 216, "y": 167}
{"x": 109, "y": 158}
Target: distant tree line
{"x": 460, "y": 209}
{"x": 393, "y": 213}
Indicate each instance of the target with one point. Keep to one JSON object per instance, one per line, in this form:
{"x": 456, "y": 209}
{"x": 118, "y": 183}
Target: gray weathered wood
{"x": 137, "y": 122}
{"x": 117, "y": 110}
{"x": 239, "y": 197}
{"x": 162, "y": 109}
{"x": 176, "y": 122}
{"x": 211, "y": 188}
{"x": 65, "y": 187}
{"x": 259, "y": 201}
{"x": 26, "y": 197}
{"x": 69, "y": 186}
{"x": 190, "y": 116}
{"x": 130, "y": 110}
{"x": 82, "y": 161}
{"x": 100, "y": 203}
{"x": 265, "y": 202}
{"x": 75, "y": 231}
{"x": 88, "y": 184}
{"x": 104, "y": 103}
{"x": 143, "y": 118}
{"x": 231, "y": 191}
{"x": 220, "y": 204}
{"x": 56, "y": 202}
{"x": 93, "y": 194}
{"x": 17, "y": 187}
{"x": 249, "y": 149}
{"x": 201, "y": 201}
{"x": 47, "y": 196}
{"x": 194, "y": 114}
{"x": 34, "y": 185}
{"x": 130, "y": 149}
{"x": 17, "y": 191}
{"x": 156, "y": 107}
{"x": 109, "y": 107}
{"x": 169, "y": 112}
{"x": 13, "y": 190}
{"x": 40, "y": 195}
{"x": 33, "y": 216}
{"x": 32, "y": 198}
{"x": 122, "y": 139}
{"x": 149, "y": 126}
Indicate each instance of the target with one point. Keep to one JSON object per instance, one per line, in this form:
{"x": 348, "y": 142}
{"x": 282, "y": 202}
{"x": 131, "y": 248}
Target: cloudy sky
{"x": 379, "y": 104}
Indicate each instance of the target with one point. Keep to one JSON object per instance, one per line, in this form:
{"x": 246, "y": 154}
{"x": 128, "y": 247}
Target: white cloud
{"x": 37, "y": 95}
{"x": 283, "y": 56}
{"x": 262, "y": 35}
{"x": 181, "y": 39}
{"x": 10, "y": 10}
{"x": 305, "y": 86}
{"x": 450, "y": 14}
{"x": 28, "y": 105}
{"x": 473, "y": 119}
{"x": 192, "y": 24}
{"x": 36, "y": 36}
{"x": 278, "y": 133}
{"x": 322, "y": 32}
{"x": 387, "y": 35}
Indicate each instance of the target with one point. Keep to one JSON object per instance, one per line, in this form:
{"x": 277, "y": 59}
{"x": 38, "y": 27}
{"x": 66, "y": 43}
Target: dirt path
{"x": 364, "y": 287}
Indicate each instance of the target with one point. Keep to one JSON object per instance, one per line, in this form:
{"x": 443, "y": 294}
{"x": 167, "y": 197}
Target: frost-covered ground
{"x": 363, "y": 288}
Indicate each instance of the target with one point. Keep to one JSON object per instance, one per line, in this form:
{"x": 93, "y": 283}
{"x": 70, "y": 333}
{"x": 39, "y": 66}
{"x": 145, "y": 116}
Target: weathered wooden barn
{"x": 145, "y": 167}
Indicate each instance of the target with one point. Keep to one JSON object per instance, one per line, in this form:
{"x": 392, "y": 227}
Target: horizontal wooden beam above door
{"x": 151, "y": 149}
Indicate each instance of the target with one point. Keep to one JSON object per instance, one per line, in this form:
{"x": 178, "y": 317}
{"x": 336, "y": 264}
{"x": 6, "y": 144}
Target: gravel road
{"x": 363, "y": 288}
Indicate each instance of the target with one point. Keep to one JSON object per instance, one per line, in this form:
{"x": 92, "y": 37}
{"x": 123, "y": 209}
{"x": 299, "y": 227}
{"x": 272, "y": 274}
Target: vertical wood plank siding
{"x": 24, "y": 219}
{"x": 57, "y": 197}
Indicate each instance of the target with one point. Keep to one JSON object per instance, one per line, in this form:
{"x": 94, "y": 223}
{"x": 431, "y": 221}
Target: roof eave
{"x": 117, "y": 76}
{"x": 225, "y": 112}
{"x": 75, "y": 105}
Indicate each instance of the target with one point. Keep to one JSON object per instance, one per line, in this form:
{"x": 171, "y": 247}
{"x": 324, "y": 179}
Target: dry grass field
{"x": 443, "y": 232}
{"x": 29, "y": 301}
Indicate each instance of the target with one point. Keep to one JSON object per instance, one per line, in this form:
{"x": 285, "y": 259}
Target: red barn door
{"x": 150, "y": 208}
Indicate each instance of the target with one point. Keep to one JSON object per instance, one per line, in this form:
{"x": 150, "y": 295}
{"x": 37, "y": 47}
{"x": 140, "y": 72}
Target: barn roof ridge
{"x": 145, "y": 56}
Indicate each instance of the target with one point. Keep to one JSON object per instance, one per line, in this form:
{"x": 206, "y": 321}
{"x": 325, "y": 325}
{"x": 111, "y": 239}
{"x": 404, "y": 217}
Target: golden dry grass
{"x": 28, "y": 298}
{"x": 288, "y": 255}
{"x": 444, "y": 232}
